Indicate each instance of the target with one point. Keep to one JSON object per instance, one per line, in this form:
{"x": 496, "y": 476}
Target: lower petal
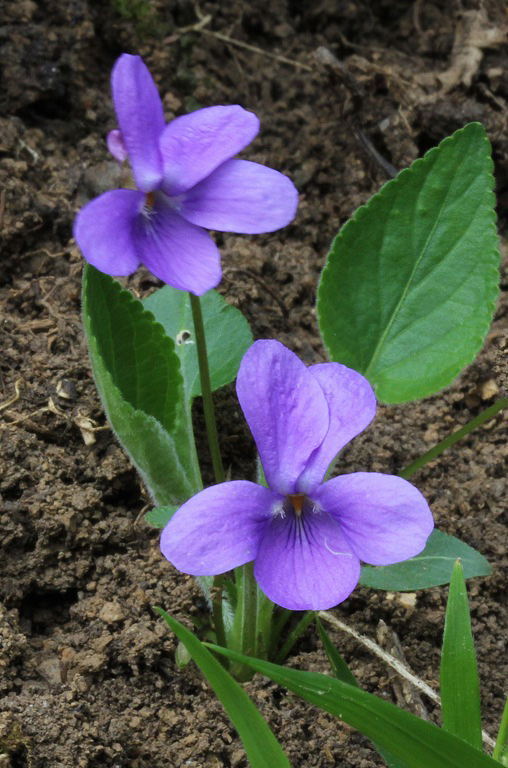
{"x": 218, "y": 529}
{"x": 305, "y": 563}
{"x": 384, "y": 518}
{"x": 240, "y": 196}
{"x": 103, "y": 231}
{"x": 177, "y": 252}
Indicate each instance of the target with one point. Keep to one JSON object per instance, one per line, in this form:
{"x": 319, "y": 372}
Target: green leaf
{"x": 342, "y": 672}
{"x": 228, "y": 335}
{"x": 137, "y": 374}
{"x": 159, "y": 517}
{"x": 409, "y": 288}
{"x": 430, "y": 568}
{"x": 501, "y": 749}
{"x": 134, "y": 349}
{"x": 460, "y": 687}
{"x": 416, "y": 742}
{"x": 339, "y": 667}
{"x": 261, "y": 746}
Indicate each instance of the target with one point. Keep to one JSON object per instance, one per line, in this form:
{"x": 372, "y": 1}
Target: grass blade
{"x": 261, "y": 746}
{"x": 342, "y": 672}
{"x": 460, "y": 688}
{"x": 417, "y": 743}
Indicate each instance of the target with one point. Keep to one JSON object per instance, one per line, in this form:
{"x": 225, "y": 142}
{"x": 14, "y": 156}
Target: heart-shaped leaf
{"x": 409, "y": 288}
{"x": 228, "y": 335}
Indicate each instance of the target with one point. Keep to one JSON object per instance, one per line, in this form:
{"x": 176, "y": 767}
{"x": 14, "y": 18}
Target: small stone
{"x": 488, "y": 389}
{"x": 66, "y": 389}
{"x": 407, "y": 599}
{"x": 111, "y": 612}
{"x": 431, "y": 435}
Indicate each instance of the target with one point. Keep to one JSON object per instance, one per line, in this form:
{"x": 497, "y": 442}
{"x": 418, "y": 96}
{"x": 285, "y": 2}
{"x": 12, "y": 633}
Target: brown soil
{"x": 88, "y": 672}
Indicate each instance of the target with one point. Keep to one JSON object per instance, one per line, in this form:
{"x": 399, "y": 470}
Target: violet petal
{"x": 352, "y": 404}
{"x": 218, "y": 529}
{"x": 140, "y": 117}
{"x": 116, "y": 145}
{"x": 177, "y": 252}
{"x": 194, "y": 145}
{"x": 285, "y": 408}
{"x": 103, "y": 231}
{"x": 384, "y": 518}
{"x": 306, "y": 563}
{"x": 241, "y": 196}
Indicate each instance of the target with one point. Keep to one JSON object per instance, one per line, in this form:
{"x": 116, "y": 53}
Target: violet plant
{"x": 405, "y": 300}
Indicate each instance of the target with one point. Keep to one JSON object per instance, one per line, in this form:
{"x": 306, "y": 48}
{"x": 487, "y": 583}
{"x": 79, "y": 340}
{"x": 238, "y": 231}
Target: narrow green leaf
{"x": 137, "y": 374}
{"x": 261, "y": 746}
{"x": 339, "y": 667}
{"x": 228, "y": 335}
{"x": 418, "y": 743}
{"x": 460, "y": 687}
{"x": 409, "y": 288}
{"x": 501, "y": 749}
{"x": 342, "y": 672}
{"x": 430, "y": 568}
{"x": 159, "y": 517}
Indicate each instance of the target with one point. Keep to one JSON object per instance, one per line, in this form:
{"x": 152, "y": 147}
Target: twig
{"x": 255, "y": 49}
{"x": 328, "y": 62}
{"x": 385, "y": 164}
{"x": 2, "y": 207}
{"x": 264, "y": 286}
{"x": 405, "y": 693}
{"x": 391, "y": 661}
{"x": 15, "y": 397}
{"x": 202, "y": 22}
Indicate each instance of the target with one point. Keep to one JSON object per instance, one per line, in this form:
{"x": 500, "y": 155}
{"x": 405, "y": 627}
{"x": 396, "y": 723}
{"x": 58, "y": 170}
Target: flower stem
{"x": 501, "y": 749}
{"x": 206, "y": 389}
{"x": 438, "y": 449}
{"x": 244, "y": 634}
{"x": 213, "y": 444}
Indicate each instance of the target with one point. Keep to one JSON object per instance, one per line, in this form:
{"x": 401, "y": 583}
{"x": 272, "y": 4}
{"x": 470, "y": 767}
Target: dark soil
{"x": 88, "y": 676}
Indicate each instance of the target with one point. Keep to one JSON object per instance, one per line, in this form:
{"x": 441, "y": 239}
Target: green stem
{"x": 218, "y": 616}
{"x": 278, "y": 625}
{"x": 264, "y": 624}
{"x": 213, "y": 443}
{"x": 307, "y": 618}
{"x": 438, "y": 449}
{"x": 206, "y": 389}
{"x": 244, "y": 635}
{"x": 501, "y": 749}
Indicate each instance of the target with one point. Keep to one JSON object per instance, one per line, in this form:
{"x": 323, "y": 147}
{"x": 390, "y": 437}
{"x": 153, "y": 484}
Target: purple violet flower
{"x": 185, "y": 180}
{"x": 306, "y": 536}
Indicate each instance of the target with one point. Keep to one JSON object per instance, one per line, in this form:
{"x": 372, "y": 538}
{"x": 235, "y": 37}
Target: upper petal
{"x": 384, "y": 518}
{"x": 194, "y": 145}
{"x": 285, "y": 408}
{"x": 352, "y": 405}
{"x": 306, "y": 563}
{"x": 176, "y": 251}
{"x": 140, "y": 117}
{"x": 241, "y": 196}
{"x": 103, "y": 231}
{"x": 218, "y": 529}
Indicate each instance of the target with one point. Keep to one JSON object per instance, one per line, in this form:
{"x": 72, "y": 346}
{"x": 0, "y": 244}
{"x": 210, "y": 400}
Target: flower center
{"x": 150, "y": 200}
{"x": 297, "y": 501}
